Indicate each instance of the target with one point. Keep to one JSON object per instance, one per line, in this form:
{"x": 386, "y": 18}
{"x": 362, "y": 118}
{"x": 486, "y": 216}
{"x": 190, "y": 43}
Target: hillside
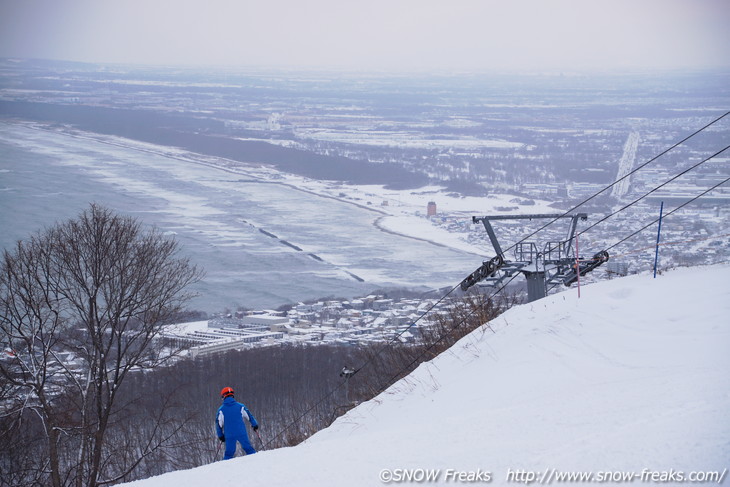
{"x": 631, "y": 376}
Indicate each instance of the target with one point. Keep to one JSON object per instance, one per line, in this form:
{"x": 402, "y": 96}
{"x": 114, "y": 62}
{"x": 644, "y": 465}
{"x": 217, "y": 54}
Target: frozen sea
{"x": 313, "y": 246}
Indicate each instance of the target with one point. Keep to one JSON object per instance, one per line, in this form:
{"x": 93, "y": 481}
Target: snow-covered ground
{"x": 630, "y": 378}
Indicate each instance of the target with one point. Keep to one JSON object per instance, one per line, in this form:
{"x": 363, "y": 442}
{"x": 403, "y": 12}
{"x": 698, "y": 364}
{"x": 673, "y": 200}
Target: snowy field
{"x": 264, "y": 238}
{"x": 629, "y": 379}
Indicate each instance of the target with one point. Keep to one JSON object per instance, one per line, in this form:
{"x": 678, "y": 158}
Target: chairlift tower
{"x": 555, "y": 264}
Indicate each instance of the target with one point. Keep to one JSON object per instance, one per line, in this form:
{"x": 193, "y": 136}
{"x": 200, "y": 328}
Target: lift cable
{"x": 459, "y": 323}
{"x": 653, "y": 190}
{"x": 427, "y": 349}
{"x": 397, "y": 336}
{"x": 304, "y": 414}
{"x": 668, "y": 214}
{"x": 440, "y": 338}
{"x": 621, "y": 209}
{"x": 630, "y": 173}
{"x": 708, "y": 190}
{"x": 367, "y": 362}
{"x": 410, "y": 325}
{"x": 339, "y": 385}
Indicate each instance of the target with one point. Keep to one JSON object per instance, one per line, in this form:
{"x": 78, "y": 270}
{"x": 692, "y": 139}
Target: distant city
{"x": 371, "y": 319}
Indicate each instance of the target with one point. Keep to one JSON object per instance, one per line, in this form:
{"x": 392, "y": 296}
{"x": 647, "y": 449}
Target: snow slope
{"x": 633, "y": 375}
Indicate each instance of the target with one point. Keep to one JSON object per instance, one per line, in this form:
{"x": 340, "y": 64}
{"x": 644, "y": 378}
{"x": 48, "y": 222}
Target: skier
{"x": 230, "y": 426}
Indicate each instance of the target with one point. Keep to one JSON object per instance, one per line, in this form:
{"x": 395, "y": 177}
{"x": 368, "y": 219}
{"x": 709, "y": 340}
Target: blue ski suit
{"x": 229, "y": 420}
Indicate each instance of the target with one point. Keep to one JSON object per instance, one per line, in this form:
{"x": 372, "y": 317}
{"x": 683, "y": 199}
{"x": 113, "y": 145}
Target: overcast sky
{"x": 374, "y": 34}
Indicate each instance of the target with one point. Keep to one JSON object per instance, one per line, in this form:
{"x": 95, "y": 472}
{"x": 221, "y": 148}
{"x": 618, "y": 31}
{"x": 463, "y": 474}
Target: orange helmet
{"x": 226, "y": 391}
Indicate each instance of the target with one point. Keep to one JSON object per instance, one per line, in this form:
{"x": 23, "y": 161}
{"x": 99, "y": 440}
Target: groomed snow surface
{"x": 632, "y": 376}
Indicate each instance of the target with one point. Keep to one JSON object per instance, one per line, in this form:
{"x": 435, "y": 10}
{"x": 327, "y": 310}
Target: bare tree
{"x": 81, "y": 305}
{"x": 31, "y": 324}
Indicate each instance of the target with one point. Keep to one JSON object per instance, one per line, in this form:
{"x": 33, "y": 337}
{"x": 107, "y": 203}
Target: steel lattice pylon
{"x": 556, "y": 263}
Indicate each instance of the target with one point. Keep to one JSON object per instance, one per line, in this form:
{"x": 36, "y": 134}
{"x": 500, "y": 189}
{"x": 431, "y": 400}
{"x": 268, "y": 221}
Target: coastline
{"x": 257, "y": 173}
